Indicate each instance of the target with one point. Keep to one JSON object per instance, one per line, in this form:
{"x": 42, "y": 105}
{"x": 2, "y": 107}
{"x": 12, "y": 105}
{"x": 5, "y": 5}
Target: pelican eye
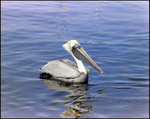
{"x": 76, "y": 46}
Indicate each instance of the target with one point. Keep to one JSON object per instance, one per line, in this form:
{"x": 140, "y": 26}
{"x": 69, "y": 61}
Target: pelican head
{"x": 78, "y": 53}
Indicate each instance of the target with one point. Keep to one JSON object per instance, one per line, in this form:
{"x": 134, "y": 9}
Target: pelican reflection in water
{"x": 68, "y": 71}
{"x": 77, "y": 99}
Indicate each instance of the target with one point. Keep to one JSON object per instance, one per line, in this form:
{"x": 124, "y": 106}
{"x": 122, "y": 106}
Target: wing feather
{"x": 61, "y": 68}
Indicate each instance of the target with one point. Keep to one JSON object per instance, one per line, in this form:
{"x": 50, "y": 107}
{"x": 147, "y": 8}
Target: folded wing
{"x": 61, "y": 68}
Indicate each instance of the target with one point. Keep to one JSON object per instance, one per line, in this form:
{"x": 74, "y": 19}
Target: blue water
{"x": 116, "y": 36}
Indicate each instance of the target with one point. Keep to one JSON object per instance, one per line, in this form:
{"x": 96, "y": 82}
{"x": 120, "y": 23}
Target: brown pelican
{"x": 68, "y": 71}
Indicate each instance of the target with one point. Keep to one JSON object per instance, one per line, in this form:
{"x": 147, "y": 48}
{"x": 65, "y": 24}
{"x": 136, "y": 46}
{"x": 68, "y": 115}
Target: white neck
{"x": 80, "y": 65}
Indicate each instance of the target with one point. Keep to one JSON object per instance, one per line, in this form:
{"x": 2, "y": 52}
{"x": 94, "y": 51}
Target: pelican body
{"x": 68, "y": 71}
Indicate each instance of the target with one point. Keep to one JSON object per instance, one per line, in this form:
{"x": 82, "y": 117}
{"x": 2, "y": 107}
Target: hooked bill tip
{"x": 100, "y": 71}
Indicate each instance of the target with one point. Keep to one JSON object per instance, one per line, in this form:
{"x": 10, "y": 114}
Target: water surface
{"x": 114, "y": 34}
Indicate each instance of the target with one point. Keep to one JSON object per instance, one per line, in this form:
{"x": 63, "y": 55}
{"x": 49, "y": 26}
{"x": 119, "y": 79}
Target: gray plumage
{"x": 65, "y": 70}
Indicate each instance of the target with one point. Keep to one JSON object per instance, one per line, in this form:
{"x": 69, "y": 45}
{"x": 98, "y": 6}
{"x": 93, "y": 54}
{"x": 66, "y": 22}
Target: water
{"x": 114, "y": 34}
